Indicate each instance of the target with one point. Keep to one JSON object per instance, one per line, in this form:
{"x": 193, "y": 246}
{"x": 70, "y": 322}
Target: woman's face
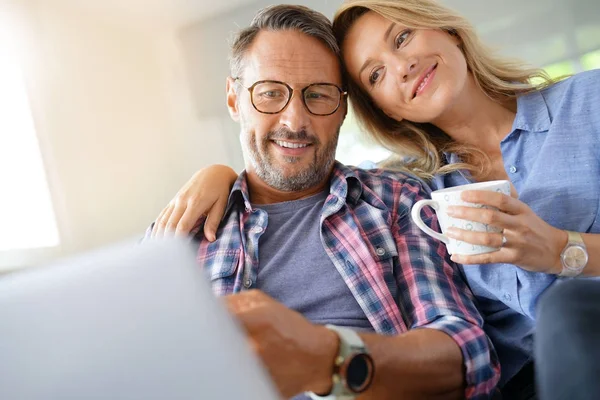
{"x": 416, "y": 75}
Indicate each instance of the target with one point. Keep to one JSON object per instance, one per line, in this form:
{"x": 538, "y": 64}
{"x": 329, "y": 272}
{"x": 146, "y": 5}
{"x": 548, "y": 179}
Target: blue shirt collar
{"x": 532, "y": 113}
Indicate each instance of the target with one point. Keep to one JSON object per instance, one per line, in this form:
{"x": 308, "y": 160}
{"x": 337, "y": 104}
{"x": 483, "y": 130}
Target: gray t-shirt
{"x": 295, "y": 269}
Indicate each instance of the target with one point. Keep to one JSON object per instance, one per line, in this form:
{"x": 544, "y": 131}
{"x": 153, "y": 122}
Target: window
{"x": 26, "y": 214}
{"x": 354, "y": 146}
{"x": 591, "y": 60}
{"x": 586, "y": 62}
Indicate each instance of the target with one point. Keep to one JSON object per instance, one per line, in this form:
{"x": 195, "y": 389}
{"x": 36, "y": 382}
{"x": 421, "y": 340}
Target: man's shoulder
{"x": 390, "y": 189}
{"x": 377, "y": 179}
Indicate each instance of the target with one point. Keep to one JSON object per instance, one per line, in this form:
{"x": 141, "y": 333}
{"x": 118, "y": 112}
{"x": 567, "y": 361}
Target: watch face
{"x": 359, "y": 372}
{"x": 575, "y": 257}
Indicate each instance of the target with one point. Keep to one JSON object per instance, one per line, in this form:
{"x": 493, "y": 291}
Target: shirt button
{"x": 507, "y": 297}
{"x": 247, "y": 283}
{"x": 512, "y": 169}
{"x": 380, "y": 251}
{"x": 350, "y": 265}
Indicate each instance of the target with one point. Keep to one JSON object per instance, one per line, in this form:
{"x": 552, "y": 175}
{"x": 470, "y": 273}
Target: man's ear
{"x": 345, "y": 105}
{"x": 232, "y": 99}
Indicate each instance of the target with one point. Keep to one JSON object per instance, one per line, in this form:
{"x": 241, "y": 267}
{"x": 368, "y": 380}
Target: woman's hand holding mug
{"x": 481, "y": 224}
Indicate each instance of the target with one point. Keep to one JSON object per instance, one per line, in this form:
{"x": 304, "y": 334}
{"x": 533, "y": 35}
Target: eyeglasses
{"x": 272, "y": 97}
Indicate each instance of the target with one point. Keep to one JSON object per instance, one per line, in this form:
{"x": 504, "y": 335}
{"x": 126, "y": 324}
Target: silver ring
{"x": 503, "y": 240}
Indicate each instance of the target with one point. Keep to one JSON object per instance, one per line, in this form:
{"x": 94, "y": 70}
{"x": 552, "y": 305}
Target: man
{"x": 307, "y": 242}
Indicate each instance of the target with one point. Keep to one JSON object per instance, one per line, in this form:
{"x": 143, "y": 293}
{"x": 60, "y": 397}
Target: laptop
{"x": 133, "y": 321}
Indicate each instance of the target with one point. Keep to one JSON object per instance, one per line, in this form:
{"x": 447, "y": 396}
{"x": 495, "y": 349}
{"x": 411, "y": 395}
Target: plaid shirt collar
{"x": 344, "y": 183}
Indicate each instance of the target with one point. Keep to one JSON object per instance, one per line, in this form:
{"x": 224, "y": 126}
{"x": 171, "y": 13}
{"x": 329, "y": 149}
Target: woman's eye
{"x": 401, "y": 38}
{"x": 374, "y": 77}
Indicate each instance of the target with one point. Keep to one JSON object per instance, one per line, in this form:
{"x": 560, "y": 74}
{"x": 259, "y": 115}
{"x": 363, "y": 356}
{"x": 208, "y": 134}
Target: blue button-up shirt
{"x": 552, "y": 157}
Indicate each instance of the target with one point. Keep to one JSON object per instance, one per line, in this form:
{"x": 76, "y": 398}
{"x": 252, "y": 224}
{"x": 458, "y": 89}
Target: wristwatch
{"x": 353, "y": 370}
{"x": 574, "y": 256}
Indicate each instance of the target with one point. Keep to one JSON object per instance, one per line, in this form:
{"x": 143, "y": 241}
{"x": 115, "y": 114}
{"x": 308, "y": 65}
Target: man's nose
{"x": 295, "y": 116}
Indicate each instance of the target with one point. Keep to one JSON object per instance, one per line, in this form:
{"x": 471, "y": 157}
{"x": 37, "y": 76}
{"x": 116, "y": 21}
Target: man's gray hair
{"x": 281, "y": 18}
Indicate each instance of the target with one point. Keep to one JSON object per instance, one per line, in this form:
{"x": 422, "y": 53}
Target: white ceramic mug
{"x": 442, "y": 199}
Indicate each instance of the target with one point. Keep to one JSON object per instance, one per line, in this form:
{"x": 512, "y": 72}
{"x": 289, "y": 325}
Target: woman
{"x": 423, "y": 85}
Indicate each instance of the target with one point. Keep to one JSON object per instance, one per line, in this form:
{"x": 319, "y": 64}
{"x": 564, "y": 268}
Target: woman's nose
{"x": 406, "y": 68}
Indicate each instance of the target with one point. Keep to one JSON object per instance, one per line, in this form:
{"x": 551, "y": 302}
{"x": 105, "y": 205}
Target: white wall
{"x": 112, "y": 112}
{"x": 540, "y": 32}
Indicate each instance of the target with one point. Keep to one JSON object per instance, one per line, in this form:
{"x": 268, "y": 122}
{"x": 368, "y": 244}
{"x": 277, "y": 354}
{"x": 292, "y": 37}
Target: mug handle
{"x": 416, "y": 217}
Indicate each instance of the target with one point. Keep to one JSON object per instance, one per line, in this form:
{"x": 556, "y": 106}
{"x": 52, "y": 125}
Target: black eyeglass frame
{"x": 291, "y": 91}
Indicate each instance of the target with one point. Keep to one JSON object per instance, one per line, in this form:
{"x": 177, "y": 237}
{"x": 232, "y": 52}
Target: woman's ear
{"x": 455, "y": 36}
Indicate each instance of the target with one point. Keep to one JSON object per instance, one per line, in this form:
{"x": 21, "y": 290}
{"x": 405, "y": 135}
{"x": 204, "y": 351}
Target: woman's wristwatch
{"x": 574, "y": 256}
{"x": 353, "y": 369}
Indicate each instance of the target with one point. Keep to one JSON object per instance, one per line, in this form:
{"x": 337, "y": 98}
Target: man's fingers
{"x": 247, "y": 301}
{"x": 237, "y": 303}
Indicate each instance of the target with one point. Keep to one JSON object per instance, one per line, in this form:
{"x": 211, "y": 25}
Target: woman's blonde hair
{"x": 419, "y": 147}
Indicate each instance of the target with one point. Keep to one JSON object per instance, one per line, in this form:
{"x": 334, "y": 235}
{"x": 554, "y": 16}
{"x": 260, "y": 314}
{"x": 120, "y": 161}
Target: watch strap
{"x": 350, "y": 343}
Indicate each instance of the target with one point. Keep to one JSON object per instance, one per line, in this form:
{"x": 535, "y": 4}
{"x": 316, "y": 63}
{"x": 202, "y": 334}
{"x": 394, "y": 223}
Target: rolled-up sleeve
{"x": 433, "y": 294}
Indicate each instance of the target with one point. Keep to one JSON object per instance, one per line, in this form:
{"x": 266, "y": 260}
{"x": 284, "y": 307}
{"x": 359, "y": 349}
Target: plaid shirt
{"x": 401, "y": 278}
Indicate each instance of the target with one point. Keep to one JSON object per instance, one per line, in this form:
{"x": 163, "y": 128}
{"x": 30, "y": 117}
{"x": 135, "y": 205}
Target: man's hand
{"x": 298, "y": 355}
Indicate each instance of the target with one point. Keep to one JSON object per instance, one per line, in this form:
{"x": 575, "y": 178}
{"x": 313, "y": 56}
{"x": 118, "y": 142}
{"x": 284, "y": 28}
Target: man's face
{"x": 292, "y": 150}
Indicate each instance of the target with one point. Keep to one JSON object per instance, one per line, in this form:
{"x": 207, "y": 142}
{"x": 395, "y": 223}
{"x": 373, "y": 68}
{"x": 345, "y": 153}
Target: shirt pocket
{"x": 220, "y": 264}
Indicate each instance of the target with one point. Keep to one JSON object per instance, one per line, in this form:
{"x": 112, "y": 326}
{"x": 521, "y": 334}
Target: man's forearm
{"x": 422, "y": 363}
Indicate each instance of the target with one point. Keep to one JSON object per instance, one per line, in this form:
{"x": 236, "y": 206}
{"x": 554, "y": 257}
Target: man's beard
{"x": 266, "y": 167}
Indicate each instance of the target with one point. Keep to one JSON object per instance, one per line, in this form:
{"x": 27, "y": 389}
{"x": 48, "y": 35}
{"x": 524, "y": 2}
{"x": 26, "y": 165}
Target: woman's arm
{"x": 592, "y": 243}
{"x": 206, "y": 193}
{"x": 531, "y": 243}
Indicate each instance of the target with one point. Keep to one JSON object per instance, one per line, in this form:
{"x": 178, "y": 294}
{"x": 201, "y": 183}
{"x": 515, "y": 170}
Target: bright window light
{"x": 355, "y": 146}
{"x": 27, "y": 218}
{"x": 591, "y": 60}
